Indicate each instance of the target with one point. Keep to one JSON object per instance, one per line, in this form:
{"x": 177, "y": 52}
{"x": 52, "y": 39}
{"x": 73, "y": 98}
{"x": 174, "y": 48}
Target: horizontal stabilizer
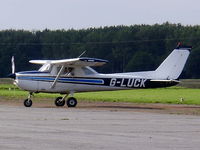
{"x": 177, "y": 81}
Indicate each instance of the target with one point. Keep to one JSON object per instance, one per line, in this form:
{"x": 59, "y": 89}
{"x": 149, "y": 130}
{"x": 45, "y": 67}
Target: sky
{"x": 81, "y": 14}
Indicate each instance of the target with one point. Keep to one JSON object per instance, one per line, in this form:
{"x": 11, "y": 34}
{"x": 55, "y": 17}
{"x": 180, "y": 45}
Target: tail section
{"x": 173, "y": 65}
{"x": 170, "y": 68}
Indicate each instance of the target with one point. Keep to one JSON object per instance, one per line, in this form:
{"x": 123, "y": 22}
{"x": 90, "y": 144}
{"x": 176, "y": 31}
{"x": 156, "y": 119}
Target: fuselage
{"x": 37, "y": 81}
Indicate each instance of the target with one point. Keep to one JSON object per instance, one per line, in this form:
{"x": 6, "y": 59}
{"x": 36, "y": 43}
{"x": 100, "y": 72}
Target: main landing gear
{"x": 71, "y": 101}
{"x": 59, "y": 101}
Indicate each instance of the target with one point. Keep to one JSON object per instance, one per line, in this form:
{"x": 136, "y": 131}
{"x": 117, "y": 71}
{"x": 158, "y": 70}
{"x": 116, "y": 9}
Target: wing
{"x": 83, "y": 61}
{"x": 40, "y": 62}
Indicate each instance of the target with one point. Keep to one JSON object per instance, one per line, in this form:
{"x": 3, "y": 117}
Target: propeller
{"x": 12, "y": 75}
{"x": 13, "y": 64}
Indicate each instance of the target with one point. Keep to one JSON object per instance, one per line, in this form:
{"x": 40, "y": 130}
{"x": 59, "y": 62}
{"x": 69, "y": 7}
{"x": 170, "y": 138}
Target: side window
{"x": 58, "y": 69}
{"x": 68, "y": 71}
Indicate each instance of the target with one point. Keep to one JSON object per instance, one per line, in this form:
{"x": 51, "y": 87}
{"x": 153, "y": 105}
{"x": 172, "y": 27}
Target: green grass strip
{"x": 173, "y": 95}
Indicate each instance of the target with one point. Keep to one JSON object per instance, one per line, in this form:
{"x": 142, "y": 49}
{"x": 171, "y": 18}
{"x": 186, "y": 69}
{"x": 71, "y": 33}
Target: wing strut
{"x": 57, "y": 77}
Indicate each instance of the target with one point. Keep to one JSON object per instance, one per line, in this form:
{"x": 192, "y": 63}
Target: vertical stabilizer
{"x": 173, "y": 65}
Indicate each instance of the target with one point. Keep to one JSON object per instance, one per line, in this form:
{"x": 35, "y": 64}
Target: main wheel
{"x": 28, "y": 102}
{"x": 71, "y": 102}
{"x": 59, "y": 101}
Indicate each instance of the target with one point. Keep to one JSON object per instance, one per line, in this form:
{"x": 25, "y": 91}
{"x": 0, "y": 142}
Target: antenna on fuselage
{"x": 82, "y": 54}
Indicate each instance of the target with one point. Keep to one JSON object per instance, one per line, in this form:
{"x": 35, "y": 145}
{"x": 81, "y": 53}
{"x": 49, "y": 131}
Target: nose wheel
{"x": 28, "y": 102}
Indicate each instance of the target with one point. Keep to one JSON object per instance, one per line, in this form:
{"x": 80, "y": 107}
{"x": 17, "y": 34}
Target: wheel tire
{"x": 71, "y": 102}
{"x": 58, "y": 102}
{"x": 28, "y": 102}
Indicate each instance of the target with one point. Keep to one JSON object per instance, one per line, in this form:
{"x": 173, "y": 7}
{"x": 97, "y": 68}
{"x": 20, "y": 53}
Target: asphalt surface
{"x": 89, "y": 129}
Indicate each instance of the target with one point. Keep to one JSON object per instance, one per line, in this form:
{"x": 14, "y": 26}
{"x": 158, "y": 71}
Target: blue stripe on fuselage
{"x": 32, "y": 72}
{"x": 65, "y": 80}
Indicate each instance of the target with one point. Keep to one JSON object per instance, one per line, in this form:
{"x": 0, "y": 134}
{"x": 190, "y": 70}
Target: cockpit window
{"x": 67, "y": 71}
{"x": 45, "y": 68}
{"x": 88, "y": 71}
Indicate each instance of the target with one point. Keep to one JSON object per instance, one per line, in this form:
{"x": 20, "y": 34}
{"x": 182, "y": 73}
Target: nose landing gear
{"x": 28, "y": 102}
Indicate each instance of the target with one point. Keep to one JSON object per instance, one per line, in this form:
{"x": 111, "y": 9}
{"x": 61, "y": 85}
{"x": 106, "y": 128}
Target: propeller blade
{"x": 13, "y": 64}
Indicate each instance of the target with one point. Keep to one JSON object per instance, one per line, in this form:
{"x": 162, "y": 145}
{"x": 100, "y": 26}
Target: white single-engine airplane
{"x": 69, "y": 76}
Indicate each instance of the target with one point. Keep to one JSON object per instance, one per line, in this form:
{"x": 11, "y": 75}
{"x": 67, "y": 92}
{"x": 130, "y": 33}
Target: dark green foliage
{"x": 141, "y": 58}
{"x": 128, "y": 48}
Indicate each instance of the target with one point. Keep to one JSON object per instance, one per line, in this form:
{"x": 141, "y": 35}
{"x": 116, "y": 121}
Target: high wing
{"x": 83, "y": 61}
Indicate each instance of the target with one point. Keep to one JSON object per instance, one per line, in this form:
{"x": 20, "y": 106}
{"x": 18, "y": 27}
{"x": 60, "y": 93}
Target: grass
{"x": 173, "y": 95}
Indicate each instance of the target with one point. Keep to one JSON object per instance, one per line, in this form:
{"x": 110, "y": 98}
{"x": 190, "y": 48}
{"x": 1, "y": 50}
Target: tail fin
{"x": 173, "y": 65}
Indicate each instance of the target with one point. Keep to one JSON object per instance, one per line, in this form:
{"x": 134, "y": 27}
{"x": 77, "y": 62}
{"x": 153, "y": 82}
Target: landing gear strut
{"x": 28, "y": 102}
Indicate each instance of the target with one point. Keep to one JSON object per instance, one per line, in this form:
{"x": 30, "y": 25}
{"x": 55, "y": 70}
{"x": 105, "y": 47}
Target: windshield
{"x": 45, "y": 68}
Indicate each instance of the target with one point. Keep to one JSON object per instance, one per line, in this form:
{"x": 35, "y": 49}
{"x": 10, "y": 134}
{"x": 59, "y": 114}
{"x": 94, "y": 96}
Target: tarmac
{"x": 95, "y": 129}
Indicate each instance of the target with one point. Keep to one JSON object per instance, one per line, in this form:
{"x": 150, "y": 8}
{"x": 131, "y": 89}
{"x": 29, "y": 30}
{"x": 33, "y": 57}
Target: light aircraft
{"x": 69, "y": 76}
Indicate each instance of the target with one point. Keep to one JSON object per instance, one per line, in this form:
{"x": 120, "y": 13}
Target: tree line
{"x": 128, "y": 48}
